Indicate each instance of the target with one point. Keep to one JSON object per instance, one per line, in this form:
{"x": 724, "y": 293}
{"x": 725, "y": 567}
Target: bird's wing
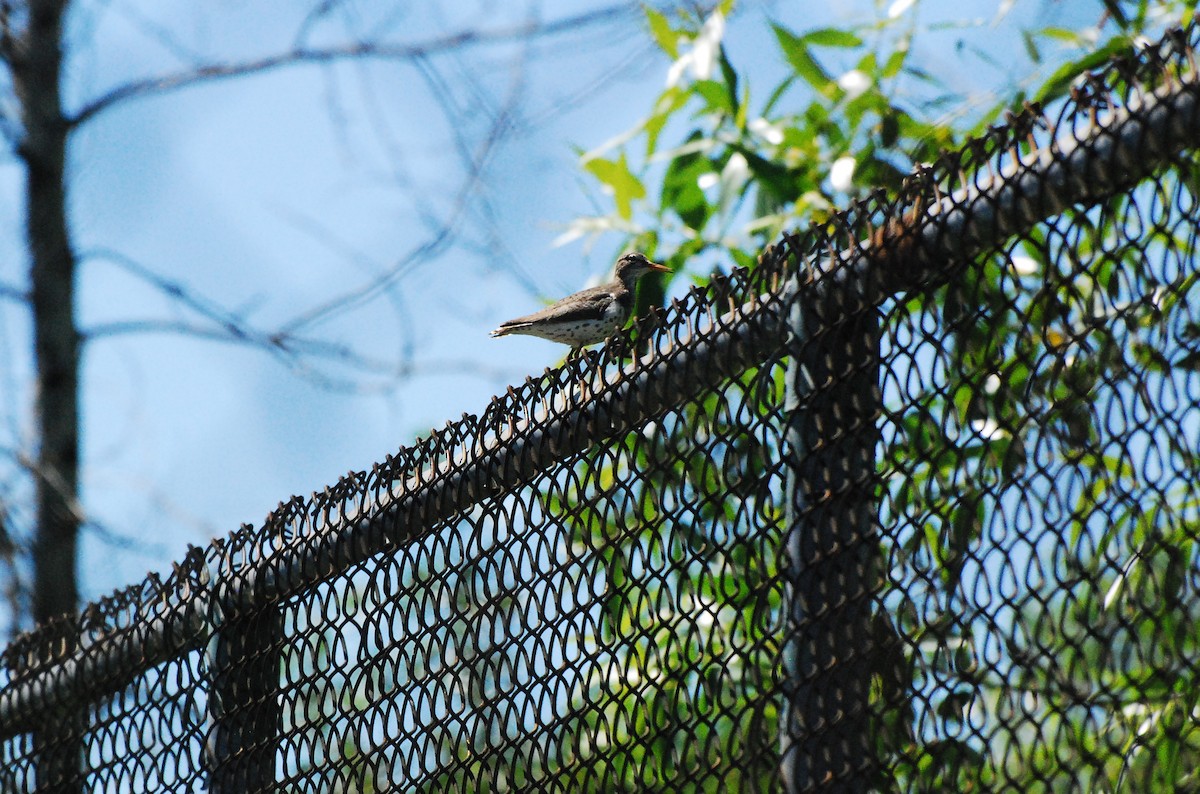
{"x": 580, "y": 306}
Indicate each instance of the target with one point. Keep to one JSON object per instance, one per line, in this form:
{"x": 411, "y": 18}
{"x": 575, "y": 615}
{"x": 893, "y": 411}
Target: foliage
{"x": 668, "y": 600}
{"x": 716, "y": 167}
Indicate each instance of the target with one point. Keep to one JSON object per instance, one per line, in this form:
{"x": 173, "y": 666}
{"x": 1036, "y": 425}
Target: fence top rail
{"x": 1118, "y": 127}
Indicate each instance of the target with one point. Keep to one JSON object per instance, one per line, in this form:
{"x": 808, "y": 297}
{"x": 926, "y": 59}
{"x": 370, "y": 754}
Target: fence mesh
{"x": 911, "y": 506}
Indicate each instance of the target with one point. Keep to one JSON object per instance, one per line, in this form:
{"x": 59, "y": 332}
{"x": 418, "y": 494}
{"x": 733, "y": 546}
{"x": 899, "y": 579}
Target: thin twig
{"x": 12, "y": 293}
{"x": 439, "y": 241}
{"x": 350, "y": 51}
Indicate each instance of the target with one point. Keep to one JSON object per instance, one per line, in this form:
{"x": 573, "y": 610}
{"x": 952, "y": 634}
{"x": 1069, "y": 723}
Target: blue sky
{"x": 267, "y": 195}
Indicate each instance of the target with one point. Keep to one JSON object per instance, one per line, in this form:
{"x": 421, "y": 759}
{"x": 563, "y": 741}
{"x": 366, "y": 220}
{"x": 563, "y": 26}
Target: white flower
{"x": 735, "y": 172}
{"x": 898, "y": 7}
{"x": 764, "y": 129}
{"x": 677, "y": 69}
{"x": 992, "y": 384}
{"x": 988, "y": 429}
{"x": 1024, "y": 265}
{"x": 707, "y": 46}
{"x": 733, "y": 177}
{"x": 1156, "y": 296}
{"x": 1114, "y": 590}
{"x": 854, "y": 83}
{"x": 701, "y": 59}
{"x": 841, "y": 173}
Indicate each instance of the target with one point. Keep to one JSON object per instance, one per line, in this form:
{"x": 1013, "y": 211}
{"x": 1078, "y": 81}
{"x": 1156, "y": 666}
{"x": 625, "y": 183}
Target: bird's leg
{"x": 587, "y": 357}
{"x": 616, "y": 343}
{"x": 572, "y": 361}
{"x": 594, "y": 358}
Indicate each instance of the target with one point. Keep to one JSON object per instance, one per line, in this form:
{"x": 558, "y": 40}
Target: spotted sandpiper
{"x": 591, "y": 315}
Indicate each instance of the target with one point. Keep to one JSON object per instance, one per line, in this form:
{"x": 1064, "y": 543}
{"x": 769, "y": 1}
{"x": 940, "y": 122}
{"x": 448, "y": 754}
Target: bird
{"x": 588, "y": 316}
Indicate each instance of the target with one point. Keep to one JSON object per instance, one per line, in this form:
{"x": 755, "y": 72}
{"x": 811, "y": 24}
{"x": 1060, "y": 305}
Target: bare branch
{"x": 104, "y": 533}
{"x": 178, "y": 327}
{"x": 294, "y": 351}
{"x": 493, "y": 248}
{"x": 119, "y": 540}
{"x": 160, "y": 35}
{"x": 13, "y": 587}
{"x": 635, "y": 57}
{"x": 233, "y": 324}
{"x": 8, "y": 39}
{"x": 314, "y": 15}
{"x": 350, "y": 51}
{"x": 229, "y": 327}
{"x": 439, "y": 241}
{"x": 285, "y": 347}
{"x": 12, "y": 293}
{"x": 446, "y": 230}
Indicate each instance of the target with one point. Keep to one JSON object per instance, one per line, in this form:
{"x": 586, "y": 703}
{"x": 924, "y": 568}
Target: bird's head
{"x": 633, "y": 266}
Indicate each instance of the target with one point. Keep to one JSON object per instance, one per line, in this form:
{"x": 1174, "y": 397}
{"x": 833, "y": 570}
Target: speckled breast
{"x": 577, "y": 334}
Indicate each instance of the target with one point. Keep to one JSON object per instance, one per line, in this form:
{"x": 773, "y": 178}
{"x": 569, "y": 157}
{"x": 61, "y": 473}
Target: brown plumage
{"x": 591, "y": 315}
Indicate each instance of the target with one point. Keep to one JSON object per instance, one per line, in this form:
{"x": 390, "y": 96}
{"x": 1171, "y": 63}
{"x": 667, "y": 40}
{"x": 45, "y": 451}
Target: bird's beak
{"x": 659, "y": 268}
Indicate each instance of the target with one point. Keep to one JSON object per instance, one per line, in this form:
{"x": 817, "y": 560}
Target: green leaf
{"x": 955, "y": 705}
{"x": 1012, "y": 465}
{"x": 895, "y": 61}
{"x": 965, "y": 526}
{"x": 831, "y": 37}
{"x": 795, "y": 50}
{"x": 964, "y": 398}
{"x": 1062, "y": 78}
{"x": 668, "y": 103}
{"x": 1153, "y": 359}
{"x": 1031, "y": 47}
{"x": 626, "y": 187}
{"x": 681, "y": 192}
{"x": 716, "y": 96}
{"x": 1113, "y": 7}
{"x": 1065, "y": 35}
{"x": 731, "y": 81}
{"x": 666, "y": 36}
{"x": 776, "y": 178}
{"x": 889, "y": 129}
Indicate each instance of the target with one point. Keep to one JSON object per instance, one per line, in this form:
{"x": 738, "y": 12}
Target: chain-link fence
{"x": 913, "y": 505}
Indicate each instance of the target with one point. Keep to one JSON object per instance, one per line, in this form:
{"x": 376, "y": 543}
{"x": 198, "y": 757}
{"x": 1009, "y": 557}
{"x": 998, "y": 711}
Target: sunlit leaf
{"x": 1058, "y": 83}
{"x": 795, "y": 50}
{"x": 664, "y": 35}
{"x": 832, "y": 37}
{"x": 625, "y": 186}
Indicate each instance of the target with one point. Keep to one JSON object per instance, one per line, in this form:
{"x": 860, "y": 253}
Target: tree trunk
{"x": 36, "y": 67}
{"x": 36, "y": 63}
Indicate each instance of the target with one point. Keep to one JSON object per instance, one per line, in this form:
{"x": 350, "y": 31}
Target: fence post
{"x": 58, "y": 750}
{"x": 833, "y": 402}
{"x": 244, "y": 669}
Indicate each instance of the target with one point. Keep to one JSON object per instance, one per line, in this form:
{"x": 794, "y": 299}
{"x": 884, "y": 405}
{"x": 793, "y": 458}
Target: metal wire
{"x": 911, "y": 506}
